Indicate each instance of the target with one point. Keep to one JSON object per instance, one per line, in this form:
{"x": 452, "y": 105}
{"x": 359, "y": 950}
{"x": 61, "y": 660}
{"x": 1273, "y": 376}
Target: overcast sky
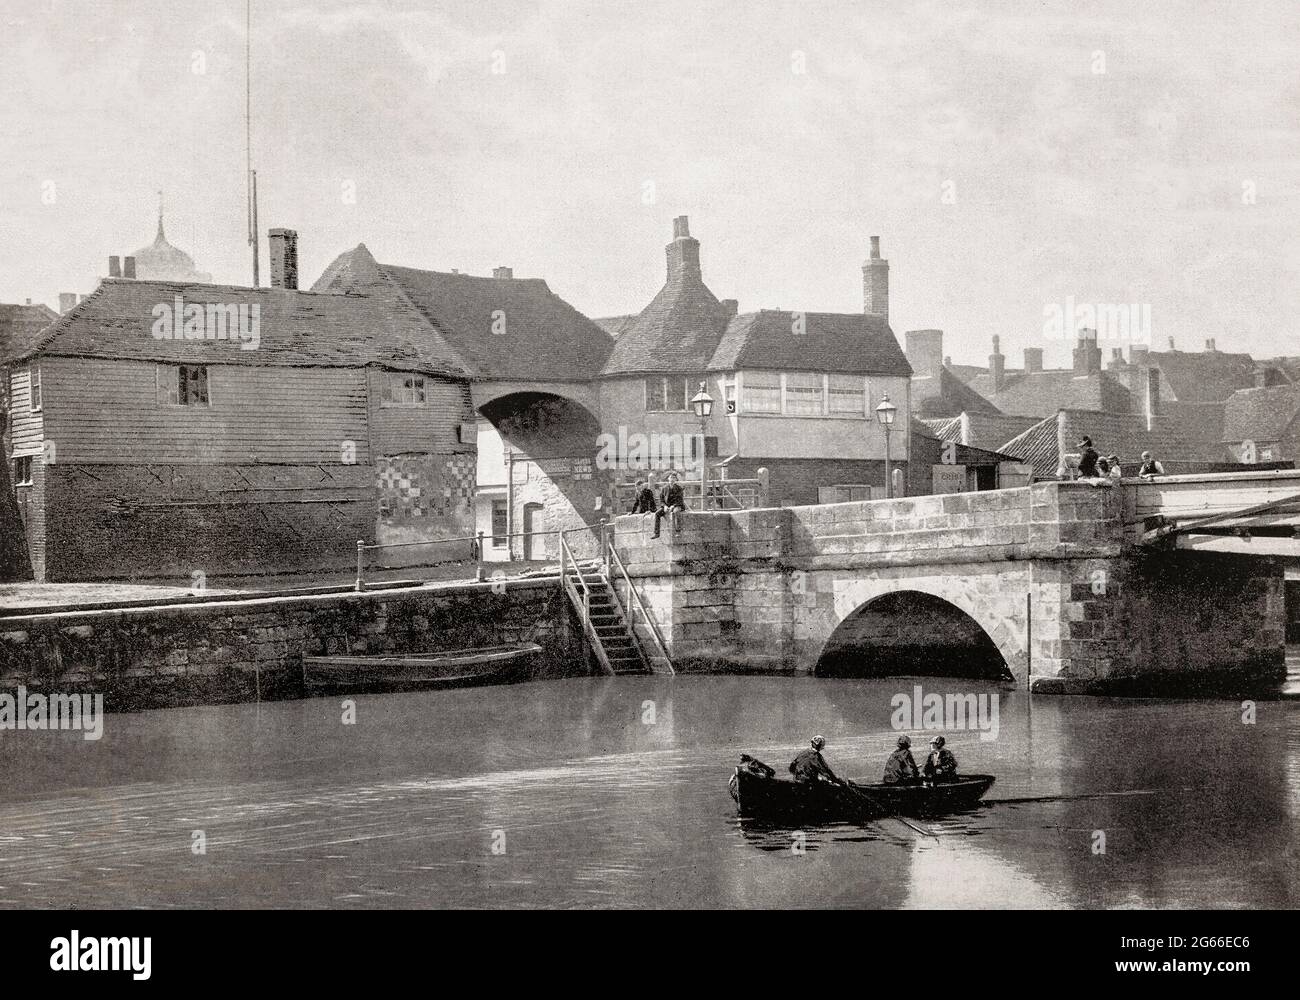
{"x": 1001, "y": 169}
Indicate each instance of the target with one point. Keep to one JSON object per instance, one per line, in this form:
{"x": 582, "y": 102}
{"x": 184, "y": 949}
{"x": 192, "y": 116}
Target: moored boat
{"x": 482, "y": 665}
{"x": 773, "y": 797}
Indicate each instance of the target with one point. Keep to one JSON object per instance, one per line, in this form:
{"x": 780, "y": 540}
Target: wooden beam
{"x": 1256, "y": 545}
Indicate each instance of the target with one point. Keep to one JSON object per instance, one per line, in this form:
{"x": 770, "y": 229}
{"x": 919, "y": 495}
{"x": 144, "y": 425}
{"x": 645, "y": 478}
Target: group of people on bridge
{"x": 1092, "y": 465}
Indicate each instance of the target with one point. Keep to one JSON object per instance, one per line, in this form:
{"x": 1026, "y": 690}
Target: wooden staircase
{"x": 606, "y": 625}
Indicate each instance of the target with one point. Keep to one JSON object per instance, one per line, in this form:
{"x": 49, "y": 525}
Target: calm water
{"x": 600, "y": 809}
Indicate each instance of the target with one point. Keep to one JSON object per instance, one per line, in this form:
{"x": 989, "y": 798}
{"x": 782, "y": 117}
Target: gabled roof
{"x": 21, "y": 327}
{"x": 851, "y": 343}
{"x": 1260, "y": 414}
{"x": 117, "y": 320}
{"x": 1204, "y": 376}
{"x": 677, "y": 332}
{"x": 544, "y": 337}
{"x": 1038, "y": 447}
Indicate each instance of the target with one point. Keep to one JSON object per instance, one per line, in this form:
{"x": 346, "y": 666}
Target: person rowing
{"x": 809, "y": 765}
{"x": 941, "y": 765}
{"x": 901, "y": 767}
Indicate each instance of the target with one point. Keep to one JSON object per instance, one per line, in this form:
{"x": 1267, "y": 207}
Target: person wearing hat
{"x": 1087, "y": 458}
{"x": 808, "y": 765}
{"x": 901, "y": 766}
{"x": 941, "y": 765}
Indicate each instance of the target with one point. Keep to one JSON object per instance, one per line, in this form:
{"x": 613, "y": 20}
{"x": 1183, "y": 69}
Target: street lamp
{"x": 885, "y": 413}
{"x": 702, "y": 404}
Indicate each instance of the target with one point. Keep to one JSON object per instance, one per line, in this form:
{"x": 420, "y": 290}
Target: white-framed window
{"x": 404, "y": 390}
{"x": 667, "y": 394}
{"x": 729, "y": 396}
{"x": 34, "y": 400}
{"x": 804, "y": 394}
{"x": 847, "y": 395}
{"x": 761, "y": 392}
{"x": 22, "y": 470}
{"x": 182, "y": 385}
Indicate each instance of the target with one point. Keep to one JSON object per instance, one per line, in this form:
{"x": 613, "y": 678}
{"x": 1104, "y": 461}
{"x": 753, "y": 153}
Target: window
{"x": 499, "y": 528}
{"x": 803, "y": 395}
{"x": 183, "y": 385}
{"x": 22, "y": 470}
{"x": 848, "y": 396}
{"x": 729, "y": 397}
{"x": 762, "y": 392}
{"x": 404, "y": 390}
{"x": 667, "y": 393}
{"x": 34, "y": 384}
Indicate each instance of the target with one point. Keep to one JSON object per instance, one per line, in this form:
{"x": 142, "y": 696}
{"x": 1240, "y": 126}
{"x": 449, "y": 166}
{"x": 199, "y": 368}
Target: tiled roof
{"x": 1038, "y": 447}
{"x": 942, "y": 428}
{"x": 545, "y": 338}
{"x": 852, "y": 343}
{"x": 294, "y": 328}
{"x": 1121, "y": 434}
{"x": 21, "y": 326}
{"x": 1040, "y": 393}
{"x": 945, "y": 395}
{"x": 1260, "y": 414}
{"x": 1204, "y": 376}
{"x": 615, "y": 326}
{"x": 677, "y": 332}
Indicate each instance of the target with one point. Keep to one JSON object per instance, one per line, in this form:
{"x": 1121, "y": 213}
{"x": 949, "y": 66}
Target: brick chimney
{"x": 683, "y": 253}
{"x": 997, "y": 364}
{"x": 1087, "y": 355}
{"x": 1152, "y": 396}
{"x": 875, "y": 283}
{"x": 115, "y": 267}
{"x": 1116, "y": 358}
{"x": 924, "y": 351}
{"x": 503, "y": 272}
{"x": 284, "y": 258}
{"x": 66, "y": 301}
{"x": 1138, "y": 355}
{"x": 730, "y": 307}
{"x": 128, "y": 267}
{"x": 1033, "y": 359}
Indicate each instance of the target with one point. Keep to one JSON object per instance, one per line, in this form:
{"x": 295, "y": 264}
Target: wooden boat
{"x": 484, "y": 664}
{"x": 786, "y": 799}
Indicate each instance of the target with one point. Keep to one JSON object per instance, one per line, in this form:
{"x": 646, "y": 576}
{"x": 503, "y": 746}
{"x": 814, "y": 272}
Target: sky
{"x": 1011, "y": 156}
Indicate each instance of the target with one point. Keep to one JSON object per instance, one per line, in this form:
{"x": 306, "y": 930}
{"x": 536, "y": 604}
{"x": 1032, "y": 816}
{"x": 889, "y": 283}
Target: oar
{"x": 864, "y": 797}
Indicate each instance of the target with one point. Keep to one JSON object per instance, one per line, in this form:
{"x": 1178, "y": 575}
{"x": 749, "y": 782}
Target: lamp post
{"x": 702, "y": 404}
{"x": 885, "y": 413}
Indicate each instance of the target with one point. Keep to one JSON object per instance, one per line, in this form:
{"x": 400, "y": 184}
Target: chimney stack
{"x": 284, "y": 258}
{"x": 730, "y": 307}
{"x": 1116, "y": 358}
{"x": 924, "y": 351}
{"x": 1138, "y": 355}
{"x": 1171, "y": 344}
{"x": 683, "y": 253}
{"x": 947, "y": 361}
{"x": 1087, "y": 355}
{"x": 875, "y": 283}
{"x": 128, "y": 267}
{"x": 115, "y": 267}
{"x": 503, "y": 272}
{"x": 66, "y": 301}
{"x": 1033, "y": 360}
{"x": 997, "y": 364}
{"x": 1209, "y": 345}
{"x": 1152, "y": 396}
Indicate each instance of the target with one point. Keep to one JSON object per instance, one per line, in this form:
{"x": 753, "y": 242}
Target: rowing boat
{"x": 808, "y": 801}
{"x": 451, "y": 667}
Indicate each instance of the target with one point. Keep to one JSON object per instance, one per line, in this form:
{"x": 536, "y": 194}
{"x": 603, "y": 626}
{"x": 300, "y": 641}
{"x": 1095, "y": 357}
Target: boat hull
{"x": 453, "y": 668}
{"x": 787, "y": 799}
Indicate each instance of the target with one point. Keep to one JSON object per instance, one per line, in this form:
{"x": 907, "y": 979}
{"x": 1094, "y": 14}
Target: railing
{"x": 615, "y": 560}
{"x": 723, "y": 493}
{"x": 581, "y": 599}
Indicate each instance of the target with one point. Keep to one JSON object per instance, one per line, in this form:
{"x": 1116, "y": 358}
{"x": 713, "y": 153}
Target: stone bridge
{"x": 1052, "y": 584}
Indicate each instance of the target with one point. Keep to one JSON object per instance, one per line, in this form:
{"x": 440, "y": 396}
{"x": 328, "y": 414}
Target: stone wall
{"x": 242, "y": 650}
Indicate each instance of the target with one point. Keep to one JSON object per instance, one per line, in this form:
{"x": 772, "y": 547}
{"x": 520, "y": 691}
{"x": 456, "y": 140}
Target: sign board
{"x": 949, "y": 478}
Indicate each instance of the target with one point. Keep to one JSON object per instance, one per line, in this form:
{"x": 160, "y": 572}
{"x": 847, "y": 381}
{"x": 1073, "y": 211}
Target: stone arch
{"x": 990, "y": 598}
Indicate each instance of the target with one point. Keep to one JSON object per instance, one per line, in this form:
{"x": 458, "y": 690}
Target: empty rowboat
{"x": 482, "y": 665}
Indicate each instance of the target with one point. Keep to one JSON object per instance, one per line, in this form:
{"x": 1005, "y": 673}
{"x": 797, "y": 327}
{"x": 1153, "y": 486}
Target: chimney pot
{"x": 128, "y": 267}
{"x": 1087, "y": 355}
{"x": 284, "y": 258}
{"x": 682, "y": 227}
{"x": 875, "y": 283}
{"x": 683, "y": 252}
{"x": 1209, "y": 345}
{"x": 66, "y": 301}
{"x": 115, "y": 267}
{"x": 997, "y": 364}
{"x": 503, "y": 272}
{"x": 1171, "y": 344}
{"x": 875, "y": 248}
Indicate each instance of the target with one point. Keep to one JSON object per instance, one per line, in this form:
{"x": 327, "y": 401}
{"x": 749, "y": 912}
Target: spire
{"x": 161, "y": 238}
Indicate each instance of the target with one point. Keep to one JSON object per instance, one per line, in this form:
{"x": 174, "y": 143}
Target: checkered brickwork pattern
{"x": 422, "y": 486}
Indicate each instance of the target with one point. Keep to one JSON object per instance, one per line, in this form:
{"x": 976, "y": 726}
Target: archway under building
{"x": 910, "y": 633}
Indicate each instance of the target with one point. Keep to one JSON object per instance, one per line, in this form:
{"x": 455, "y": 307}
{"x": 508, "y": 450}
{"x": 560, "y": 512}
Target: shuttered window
{"x": 182, "y": 385}
{"x": 761, "y": 392}
{"x": 804, "y": 395}
{"x": 848, "y": 396}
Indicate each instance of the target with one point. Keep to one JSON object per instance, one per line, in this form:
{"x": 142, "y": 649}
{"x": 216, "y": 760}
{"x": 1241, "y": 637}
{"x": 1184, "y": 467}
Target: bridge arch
{"x": 946, "y": 625}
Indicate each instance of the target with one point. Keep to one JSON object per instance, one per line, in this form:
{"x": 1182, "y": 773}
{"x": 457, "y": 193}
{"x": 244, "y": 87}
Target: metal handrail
{"x": 583, "y": 603}
{"x": 617, "y": 560}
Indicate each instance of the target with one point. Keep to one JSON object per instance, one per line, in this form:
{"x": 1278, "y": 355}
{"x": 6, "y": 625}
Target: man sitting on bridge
{"x": 673, "y": 500}
{"x": 808, "y": 765}
{"x": 901, "y": 767}
{"x": 941, "y": 765}
{"x": 645, "y": 502}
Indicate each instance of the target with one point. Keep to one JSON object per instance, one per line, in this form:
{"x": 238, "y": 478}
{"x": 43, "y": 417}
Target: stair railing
{"x": 615, "y": 561}
{"x": 580, "y": 594}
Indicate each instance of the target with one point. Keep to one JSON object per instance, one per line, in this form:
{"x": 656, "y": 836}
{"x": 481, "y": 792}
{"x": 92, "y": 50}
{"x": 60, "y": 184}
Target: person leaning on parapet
{"x": 901, "y": 767}
{"x": 940, "y": 765}
{"x": 1115, "y": 471}
{"x": 809, "y": 765}
{"x": 671, "y": 501}
{"x": 1150, "y": 467}
{"x": 1087, "y": 458}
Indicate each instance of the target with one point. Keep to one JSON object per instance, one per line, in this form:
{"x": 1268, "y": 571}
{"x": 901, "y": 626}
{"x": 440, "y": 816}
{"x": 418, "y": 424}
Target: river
{"x": 611, "y": 792}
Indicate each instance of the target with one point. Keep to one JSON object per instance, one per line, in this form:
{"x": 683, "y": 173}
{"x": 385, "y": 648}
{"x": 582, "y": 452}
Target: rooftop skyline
{"x": 1010, "y": 160}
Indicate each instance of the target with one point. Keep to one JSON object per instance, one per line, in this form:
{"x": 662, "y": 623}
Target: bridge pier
{"x": 782, "y": 590}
